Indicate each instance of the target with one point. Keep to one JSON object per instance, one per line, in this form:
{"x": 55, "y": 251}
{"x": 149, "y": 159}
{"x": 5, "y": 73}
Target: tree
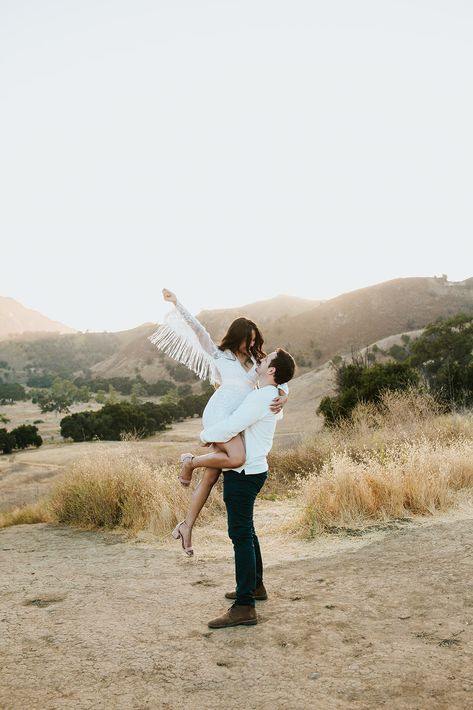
{"x": 26, "y": 435}
{"x": 444, "y": 356}
{"x": 184, "y": 390}
{"x": 19, "y": 438}
{"x": 112, "y": 395}
{"x": 59, "y": 398}
{"x": 137, "y": 391}
{"x": 79, "y": 427}
{"x": 11, "y": 392}
{"x": 7, "y": 441}
{"x": 113, "y": 420}
{"x": 398, "y": 352}
{"x": 358, "y": 381}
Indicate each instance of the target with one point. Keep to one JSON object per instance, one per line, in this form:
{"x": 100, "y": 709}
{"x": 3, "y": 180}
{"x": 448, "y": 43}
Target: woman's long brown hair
{"x": 241, "y": 330}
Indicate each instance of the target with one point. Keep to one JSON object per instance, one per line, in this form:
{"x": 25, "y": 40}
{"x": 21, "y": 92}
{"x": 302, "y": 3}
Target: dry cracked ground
{"x": 93, "y": 620}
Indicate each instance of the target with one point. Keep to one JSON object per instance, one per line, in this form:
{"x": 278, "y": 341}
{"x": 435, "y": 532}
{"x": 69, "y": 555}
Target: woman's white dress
{"x": 185, "y": 339}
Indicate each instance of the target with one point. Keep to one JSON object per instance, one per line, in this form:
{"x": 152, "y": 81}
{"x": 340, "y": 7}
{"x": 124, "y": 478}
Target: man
{"x": 242, "y": 485}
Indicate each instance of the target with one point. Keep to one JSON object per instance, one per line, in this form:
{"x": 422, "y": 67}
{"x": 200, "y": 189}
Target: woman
{"x": 232, "y": 367}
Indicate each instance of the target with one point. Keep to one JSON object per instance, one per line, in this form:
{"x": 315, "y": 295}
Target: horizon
{"x": 233, "y": 307}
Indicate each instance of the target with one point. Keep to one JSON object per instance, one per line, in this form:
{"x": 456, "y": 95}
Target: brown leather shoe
{"x": 244, "y": 615}
{"x": 260, "y": 594}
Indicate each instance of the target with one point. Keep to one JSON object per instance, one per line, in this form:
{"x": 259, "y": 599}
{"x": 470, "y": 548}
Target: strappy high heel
{"x": 176, "y": 533}
{"x": 185, "y": 481}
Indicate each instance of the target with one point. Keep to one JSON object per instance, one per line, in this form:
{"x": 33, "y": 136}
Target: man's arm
{"x": 254, "y": 407}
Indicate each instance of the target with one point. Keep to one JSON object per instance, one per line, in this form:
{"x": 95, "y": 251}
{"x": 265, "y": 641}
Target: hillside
{"x": 63, "y": 354}
{"x": 153, "y": 365}
{"x": 15, "y": 318}
{"x": 367, "y": 315}
{"x": 315, "y": 334}
{"x": 272, "y": 310}
{"x": 139, "y": 355}
{"x": 308, "y": 389}
{"x": 313, "y": 331}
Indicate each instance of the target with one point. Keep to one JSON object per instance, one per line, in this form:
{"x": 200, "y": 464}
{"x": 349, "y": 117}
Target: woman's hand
{"x": 278, "y": 403}
{"x": 169, "y": 296}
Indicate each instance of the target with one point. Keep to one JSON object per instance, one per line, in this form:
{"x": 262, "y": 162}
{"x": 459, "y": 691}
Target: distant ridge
{"x": 313, "y": 331}
{"x": 358, "y": 318}
{"x": 17, "y": 319}
{"x": 270, "y": 310}
{"x": 316, "y": 331}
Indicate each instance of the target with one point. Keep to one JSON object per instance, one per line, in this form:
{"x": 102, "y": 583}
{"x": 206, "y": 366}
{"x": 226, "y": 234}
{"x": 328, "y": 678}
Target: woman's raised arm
{"x": 204, "y": 338}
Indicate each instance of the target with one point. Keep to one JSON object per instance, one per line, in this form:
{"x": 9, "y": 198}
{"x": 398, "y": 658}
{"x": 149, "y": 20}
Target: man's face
{"x": 265, "y": 364}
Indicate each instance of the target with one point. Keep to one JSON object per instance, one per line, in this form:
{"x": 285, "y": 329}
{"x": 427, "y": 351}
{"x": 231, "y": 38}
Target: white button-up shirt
{"x": 254, "y": 418}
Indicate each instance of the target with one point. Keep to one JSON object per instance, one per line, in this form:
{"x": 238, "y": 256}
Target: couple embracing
{"x": 239, "y": 421}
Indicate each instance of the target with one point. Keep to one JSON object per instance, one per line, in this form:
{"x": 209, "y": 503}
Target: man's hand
{"x": 169, "y": 296}
{"x": 278, "y": 403}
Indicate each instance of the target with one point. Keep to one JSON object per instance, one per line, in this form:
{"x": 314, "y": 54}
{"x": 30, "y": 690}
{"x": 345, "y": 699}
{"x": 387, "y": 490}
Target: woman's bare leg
{"x": 198, "y": 500}
{"x": 227, "y": 455}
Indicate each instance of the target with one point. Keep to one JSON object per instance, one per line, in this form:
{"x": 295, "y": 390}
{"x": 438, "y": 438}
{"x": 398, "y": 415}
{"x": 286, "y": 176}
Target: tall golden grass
{"x": 402, "y": 458}
{"x": 400, "y": 417}
{"x": 116, "y": 490}
{"x": 25, "y": 515}
{"x": 413, "y": 478}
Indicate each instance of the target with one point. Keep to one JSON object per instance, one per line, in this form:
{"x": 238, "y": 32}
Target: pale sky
{"x": 230, "y": 150}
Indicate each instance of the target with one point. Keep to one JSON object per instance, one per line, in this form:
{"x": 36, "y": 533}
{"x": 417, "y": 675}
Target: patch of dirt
{"x": 384, "y": 620}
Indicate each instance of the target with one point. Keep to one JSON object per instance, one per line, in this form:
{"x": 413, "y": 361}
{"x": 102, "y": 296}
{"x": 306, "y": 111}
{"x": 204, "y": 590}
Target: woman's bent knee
{"x": 236, "y": 461}
{"x": 210, "y": 477}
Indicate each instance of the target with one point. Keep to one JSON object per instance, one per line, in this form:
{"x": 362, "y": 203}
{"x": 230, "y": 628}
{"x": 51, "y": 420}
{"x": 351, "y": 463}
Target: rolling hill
{"x": 367, "y": 315}
{"x": 314, "y": 331}
{"x": 315, "y": 334}
{"x": 15, "y": 319}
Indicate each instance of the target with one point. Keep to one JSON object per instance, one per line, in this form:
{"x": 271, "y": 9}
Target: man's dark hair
{"x": 284, "y": 366}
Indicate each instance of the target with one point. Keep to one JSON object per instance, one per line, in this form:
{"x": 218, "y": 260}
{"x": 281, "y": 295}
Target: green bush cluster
{"x": 443, "y": 355}
{"x": 19, "y": 438}
{"x": 441, "y": 360}
{"x": 124, "y": 385}
{"x": 360, "y": 381}
{"x": 10, "y": 393}
{"x": 60, "y": 397}
{"x": 142, "y": 420}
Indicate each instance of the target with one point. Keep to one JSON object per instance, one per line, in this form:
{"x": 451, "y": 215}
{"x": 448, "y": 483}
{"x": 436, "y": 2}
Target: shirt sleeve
{"x": 253, "y": 408}
{"x": 284, "y": 387}
{"x": 204, "y": 338}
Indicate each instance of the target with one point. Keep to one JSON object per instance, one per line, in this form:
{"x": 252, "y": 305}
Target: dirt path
{"x": 89, "y": 620}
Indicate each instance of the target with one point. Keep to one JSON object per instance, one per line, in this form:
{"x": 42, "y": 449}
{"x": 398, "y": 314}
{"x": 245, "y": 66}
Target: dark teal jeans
{"x": 239, "y": 494}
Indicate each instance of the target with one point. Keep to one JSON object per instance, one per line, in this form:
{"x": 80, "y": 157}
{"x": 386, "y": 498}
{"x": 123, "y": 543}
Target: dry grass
{"x": 401, "y": 459}
{"x": 120, "y": 490}
{"x": 415, "y": 478}
{"x": 27, "y": 515}
{"x": 400, "y": 418}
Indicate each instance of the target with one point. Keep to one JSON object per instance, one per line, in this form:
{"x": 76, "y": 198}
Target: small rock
{"x": 314, "y": 676}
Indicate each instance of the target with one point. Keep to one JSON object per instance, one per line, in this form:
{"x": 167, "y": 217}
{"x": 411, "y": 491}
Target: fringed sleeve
{"x": 184, "y": 339}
